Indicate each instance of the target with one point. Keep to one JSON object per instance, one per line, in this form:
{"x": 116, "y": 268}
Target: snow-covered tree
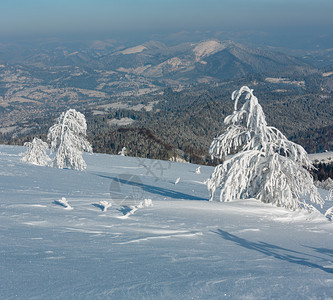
{"x": 68, "y": 136}
{"x": 266, "y": 166}
{"x": 197, "y": 170}
{"x": 123, "y": 151}
{"x": 329, "y": 213}
{"x": 36, "y": 152}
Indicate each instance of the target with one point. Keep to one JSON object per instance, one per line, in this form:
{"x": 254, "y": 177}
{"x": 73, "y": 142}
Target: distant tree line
{"x": 322, "y": 171}
{"x": 184, "y": 123}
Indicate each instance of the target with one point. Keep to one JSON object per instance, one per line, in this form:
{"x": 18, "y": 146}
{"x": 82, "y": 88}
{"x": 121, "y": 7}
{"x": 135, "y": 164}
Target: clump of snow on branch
{"x": 325, "y": 184}
{"x": 104, "y": 205}
{"x": 36, "y": 152}
{"x": 64, "y": 203}
{"x": 68, "y": 136}
{"x": 266, "y": 166}
{"x": 329, "y": 214}
{"x": 330, "y": 195}
{"x": 147, "y": 203}
{"x": 134, "y": 208}
{"x": 143, "y": 204}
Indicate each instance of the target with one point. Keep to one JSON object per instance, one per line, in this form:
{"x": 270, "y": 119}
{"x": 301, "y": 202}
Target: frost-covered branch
{"x": 267, "y": 165}
{"x": 68, "y": 136}
{"x": 36, "y": 152}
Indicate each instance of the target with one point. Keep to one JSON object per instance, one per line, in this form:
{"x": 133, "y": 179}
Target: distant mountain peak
{"x": 207, "y": 48}
{"x": 133, "y": 50}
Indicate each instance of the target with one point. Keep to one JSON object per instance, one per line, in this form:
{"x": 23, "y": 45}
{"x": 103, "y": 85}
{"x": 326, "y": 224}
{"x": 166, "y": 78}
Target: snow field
{"x": 182, "y": 246}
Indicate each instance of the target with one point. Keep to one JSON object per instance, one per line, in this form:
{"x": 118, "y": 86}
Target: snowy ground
{"x": 324, "y": 157}
{"x": 183, "y": 247}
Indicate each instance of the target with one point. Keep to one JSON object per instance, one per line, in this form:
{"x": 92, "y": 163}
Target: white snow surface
{"x": 207, "y": 48}
{"x": 324, "y": 157}
{"x": 182, "y": 247}
{"x": 133, "y": 50}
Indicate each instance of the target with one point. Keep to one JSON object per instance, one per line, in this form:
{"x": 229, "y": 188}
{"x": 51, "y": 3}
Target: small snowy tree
{"x": 68, "y": 136}
{"x": 266, "y": 166}
{"x": 36, "y": 152}
{"x": 197, "y": 170}
{"x": 123, "y": 152}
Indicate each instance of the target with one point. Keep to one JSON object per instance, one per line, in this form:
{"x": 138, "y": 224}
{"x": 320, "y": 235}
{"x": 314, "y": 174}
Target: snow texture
{"x": 182, "y": 247}
{"x": 325, "y": 184}
{"x": 68, "y": 136}
{"x": 267, "y": 165}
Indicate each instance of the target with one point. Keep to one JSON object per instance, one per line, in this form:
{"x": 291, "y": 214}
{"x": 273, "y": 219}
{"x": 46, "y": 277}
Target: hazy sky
{"x": 60, "y": 17}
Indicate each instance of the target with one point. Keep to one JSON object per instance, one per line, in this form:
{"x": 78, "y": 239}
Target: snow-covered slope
{"x": 171, "y": 65}
{"x": 207, "y": 48}
{"x": 133, "y": 50}
{"x": 324, "y": 157}
{"x": 182, "y": 247}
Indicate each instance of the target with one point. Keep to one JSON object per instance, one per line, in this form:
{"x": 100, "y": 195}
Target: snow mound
{"x": 64, "y": 203}
{"x": 197, "y": 170}
{"x": 145, "y": 203}
{"x": 103, "y": 205}
{"x": 133, "y": 208}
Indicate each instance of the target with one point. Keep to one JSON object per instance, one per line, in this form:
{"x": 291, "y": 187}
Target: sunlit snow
{"x": 133, "y": 50}
{"x": 157, "y": 240}
{"x": 207, "y": 48}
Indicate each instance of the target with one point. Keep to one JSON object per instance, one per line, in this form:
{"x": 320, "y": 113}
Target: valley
{"x": 179, "y": 94}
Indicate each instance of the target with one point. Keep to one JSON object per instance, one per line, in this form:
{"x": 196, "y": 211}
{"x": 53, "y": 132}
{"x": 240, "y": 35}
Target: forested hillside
{"x": 183, "y": 123}
{"x": 163, "y": 101}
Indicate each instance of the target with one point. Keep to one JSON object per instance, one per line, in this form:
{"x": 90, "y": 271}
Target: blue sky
{"x": 60, "y": 17}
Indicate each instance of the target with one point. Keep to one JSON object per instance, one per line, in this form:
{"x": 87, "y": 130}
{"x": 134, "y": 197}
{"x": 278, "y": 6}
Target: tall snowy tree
{"x": 68, "y": 136}
{"x": 36, "y": 152}
{"x": 266, "y": 166}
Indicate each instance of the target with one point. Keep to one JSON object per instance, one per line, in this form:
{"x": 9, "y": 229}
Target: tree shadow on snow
{"x": 275, "y": 251}
{"x": 154, "y": 189}
{"x": 326, "y": 251}
{"x": 101, "y": 207}
{"x": 124, "y": 210}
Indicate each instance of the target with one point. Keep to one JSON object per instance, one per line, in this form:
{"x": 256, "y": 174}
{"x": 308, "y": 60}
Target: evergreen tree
{"x": 266, "y": 166}
{"x": 68, "y": 136}
{"x": 36, "y": 152}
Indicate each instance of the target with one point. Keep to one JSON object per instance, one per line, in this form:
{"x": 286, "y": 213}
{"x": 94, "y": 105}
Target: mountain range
{"x": 208, "y": 60}
{"x": 102, "y": 78}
